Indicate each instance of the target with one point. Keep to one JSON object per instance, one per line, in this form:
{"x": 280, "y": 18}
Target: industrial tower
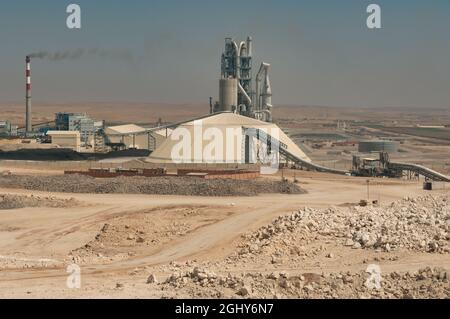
{"x": 236, "y": 92}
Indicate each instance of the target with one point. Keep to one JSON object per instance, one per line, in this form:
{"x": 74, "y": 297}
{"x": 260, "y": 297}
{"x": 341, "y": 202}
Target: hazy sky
{"x": 321, "y": 51}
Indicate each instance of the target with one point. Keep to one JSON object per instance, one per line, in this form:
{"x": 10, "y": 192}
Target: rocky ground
{"x": 144, "y": 232}
{"x": 18, "y": 262}
{"x": 188, "y": 186}
{"x": 202, "y": 283}
{"x": 420, "y": 224}
{"x": 417, "y": 225}
{"x": 395, "y": 250}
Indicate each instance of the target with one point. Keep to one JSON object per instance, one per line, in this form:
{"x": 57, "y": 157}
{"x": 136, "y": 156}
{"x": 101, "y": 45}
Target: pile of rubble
{"x": 189, "y": 186}
{"x": 421, "y": 224}
{"x": 10, "y": 201}
{"x": 17, "y": 262}
{"x": 201, "y": 283}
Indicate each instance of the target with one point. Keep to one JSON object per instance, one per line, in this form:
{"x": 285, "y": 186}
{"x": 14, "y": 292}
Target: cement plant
{"x": 236, "y": 198}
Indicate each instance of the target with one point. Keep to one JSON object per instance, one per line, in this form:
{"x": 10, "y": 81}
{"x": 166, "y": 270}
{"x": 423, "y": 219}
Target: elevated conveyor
{"x": 274, "y": 143}
{"x": 284, "y": 151}
{"x": 419, "y": 169}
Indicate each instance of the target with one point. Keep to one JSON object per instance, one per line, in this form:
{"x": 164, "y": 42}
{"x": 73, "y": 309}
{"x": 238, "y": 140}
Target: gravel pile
{"x": 202, "y": 283}
{"x": 155, "y": 185}
{"x": 421, "y": 224}
{"x": 8, "y": 201}
{"x": 15, "y": 262}
{"x": 10, "y": 152}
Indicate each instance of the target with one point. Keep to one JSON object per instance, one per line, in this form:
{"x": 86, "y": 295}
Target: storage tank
{"x": 228, "y": 94}
{"x": 377, "y": 146}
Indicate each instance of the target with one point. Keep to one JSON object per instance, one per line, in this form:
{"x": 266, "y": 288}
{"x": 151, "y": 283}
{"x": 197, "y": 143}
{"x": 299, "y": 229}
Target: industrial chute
{"x": 263, "y": 109}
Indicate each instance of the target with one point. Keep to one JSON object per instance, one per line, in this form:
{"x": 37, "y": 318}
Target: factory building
{"x": 236, "y": 91}
{"x": 68, "y": 121}
{"x": 80, "y": 122}
{"x": 219, "y": 138}
{"x": 65, "y": 139}
{"x": 134, "y": 136}
{"x": 7, "y": 129}
{"x": 239, "y": 128}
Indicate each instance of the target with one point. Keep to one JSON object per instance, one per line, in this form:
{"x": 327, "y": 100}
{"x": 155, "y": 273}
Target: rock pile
{"x": 427, "y": 282}
{"x": 17, "y": 262}
{"x": 421, "y": 224}
{"x": 9, "y": 201}
{"x": 188, "y": 186}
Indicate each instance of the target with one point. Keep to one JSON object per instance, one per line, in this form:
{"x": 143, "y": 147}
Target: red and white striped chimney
{"x": 28, "y": 127}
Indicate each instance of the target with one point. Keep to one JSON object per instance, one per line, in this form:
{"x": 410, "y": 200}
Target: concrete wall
{"x": 85, "y": 165}
{"x": 67, "y": 141}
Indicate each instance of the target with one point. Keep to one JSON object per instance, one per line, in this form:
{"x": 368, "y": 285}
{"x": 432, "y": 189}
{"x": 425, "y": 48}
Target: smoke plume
{"x": 81, "y": 53}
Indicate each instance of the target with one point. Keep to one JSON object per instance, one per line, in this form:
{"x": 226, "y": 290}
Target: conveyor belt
{"x": 275, "y": 143}
{"x": 266, "y": 138}
{"x": 422, "y": 170}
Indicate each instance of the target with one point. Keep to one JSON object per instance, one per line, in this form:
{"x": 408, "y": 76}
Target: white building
{"x": 66, "y": 139}
{"x": 134, "y": 136}
{"x": 220, "y": 138}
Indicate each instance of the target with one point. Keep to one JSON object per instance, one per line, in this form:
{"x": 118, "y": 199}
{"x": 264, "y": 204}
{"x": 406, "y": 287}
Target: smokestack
{"x": 28, "y": 127}
{"x": 211, "y": 111}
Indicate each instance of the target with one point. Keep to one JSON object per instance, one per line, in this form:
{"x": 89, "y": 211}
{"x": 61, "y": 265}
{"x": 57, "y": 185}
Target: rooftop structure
{"x": 134, "y": 136}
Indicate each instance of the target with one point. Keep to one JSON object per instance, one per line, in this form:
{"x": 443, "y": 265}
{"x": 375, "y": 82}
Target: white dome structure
{"x": 220, "y": 138}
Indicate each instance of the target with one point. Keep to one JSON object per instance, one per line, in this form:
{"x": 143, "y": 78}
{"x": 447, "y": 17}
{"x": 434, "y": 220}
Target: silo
{"x": 228, "y": 94}
{"x": 377, "y": 146}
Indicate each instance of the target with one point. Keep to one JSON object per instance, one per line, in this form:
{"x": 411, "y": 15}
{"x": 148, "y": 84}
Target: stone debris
{"x": 152, "y": 279}
{"x": 10, "y": 201}
{"x": 119, "y": 285}
{"x": 201, "y": 283}
{"x": 420, "y": 224}
{"x": 244, "y": 291}
{"x": 166, "y": 185}
{"x": 18, "y": 262}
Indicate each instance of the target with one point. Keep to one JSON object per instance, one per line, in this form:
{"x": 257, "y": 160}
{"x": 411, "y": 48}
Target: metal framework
{"x": 237, "y": 63}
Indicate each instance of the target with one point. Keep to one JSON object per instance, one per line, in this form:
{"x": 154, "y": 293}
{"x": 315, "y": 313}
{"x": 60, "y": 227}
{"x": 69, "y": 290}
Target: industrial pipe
{"x": 238, "y": 62}
{"x": 264, "y": 67}
{"x": 249, "y": 46}
{"x": 241, "y": 89}
{"x": 242, "y": 49}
